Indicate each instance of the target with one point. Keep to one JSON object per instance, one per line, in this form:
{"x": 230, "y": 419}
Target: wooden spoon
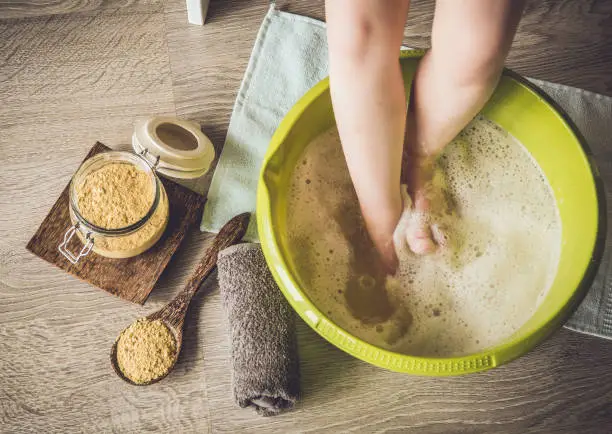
{"x": 173, "y": 314}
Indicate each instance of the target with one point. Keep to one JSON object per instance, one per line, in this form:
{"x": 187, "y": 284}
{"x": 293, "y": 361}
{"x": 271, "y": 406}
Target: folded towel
{"x": 592, "y": 113}
{"x": 289, "y": 57}
{"x": 265, "y": 371}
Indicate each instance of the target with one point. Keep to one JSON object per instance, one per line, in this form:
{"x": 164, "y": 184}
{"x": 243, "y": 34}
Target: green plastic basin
{"x": 530, "y": 116}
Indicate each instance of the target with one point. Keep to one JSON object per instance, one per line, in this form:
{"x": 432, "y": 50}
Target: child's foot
{"x": 426, "y": 207}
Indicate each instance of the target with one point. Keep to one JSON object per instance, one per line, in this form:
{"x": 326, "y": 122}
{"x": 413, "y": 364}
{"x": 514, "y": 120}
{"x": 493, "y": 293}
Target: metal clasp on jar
{"x": 153, "y": 164}
{"x": 63, "y": 247}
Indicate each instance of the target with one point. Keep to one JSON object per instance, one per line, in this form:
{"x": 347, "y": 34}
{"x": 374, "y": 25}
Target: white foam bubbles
{"x": 463, "y": 299}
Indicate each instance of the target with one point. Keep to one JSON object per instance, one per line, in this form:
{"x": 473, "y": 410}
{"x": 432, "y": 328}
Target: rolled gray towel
{"x": 265, "y": 368}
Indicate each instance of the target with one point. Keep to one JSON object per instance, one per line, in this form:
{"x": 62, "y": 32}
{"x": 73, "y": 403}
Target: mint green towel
{"x": 289, "y": 57}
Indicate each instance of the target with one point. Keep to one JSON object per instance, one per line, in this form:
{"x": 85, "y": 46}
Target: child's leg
{"x": 470, "y": 42}
{"x": 370, "y": 107}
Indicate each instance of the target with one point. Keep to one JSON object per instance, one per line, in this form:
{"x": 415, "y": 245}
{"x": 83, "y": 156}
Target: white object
{"x": 177, "y": 148}
{"x": 196, "y": 11}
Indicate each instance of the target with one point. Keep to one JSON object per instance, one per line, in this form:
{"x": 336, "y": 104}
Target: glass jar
{"x": 117, "y": 242}
{"x": 166, "y": 146}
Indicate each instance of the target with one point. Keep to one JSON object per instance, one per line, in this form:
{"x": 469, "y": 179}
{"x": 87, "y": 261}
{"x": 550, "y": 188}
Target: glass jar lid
{"x": 177, "y": 148}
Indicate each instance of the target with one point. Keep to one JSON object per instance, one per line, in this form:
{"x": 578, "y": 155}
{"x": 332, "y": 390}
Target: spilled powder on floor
{"x": 146, "y": 350}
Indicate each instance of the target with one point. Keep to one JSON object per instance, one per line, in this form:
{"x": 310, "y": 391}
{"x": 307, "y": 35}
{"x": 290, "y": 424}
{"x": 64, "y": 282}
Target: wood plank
{"x": 10, "y": 9}
{"x": 568, "y": 42}
{"x": 18, "y": 9}
{"x": 562, "y": 386}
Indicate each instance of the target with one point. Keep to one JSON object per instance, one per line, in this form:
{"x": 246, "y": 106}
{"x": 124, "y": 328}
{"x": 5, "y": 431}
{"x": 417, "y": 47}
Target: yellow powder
{"x": 145, "y": 350}
{"x": 118, "y": 195}
{"x": 115, "y": 195}
{"x": 136, "y": 242}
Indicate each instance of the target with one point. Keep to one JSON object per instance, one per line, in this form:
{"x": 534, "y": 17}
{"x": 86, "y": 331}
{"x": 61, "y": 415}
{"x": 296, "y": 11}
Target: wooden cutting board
{"x": 132, "y": 278}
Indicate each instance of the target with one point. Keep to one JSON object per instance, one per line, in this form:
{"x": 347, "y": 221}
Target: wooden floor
{"x": 69, "y": 80}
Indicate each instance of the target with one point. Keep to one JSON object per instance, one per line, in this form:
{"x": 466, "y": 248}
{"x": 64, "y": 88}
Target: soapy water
{"x": 504, "y": 244}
